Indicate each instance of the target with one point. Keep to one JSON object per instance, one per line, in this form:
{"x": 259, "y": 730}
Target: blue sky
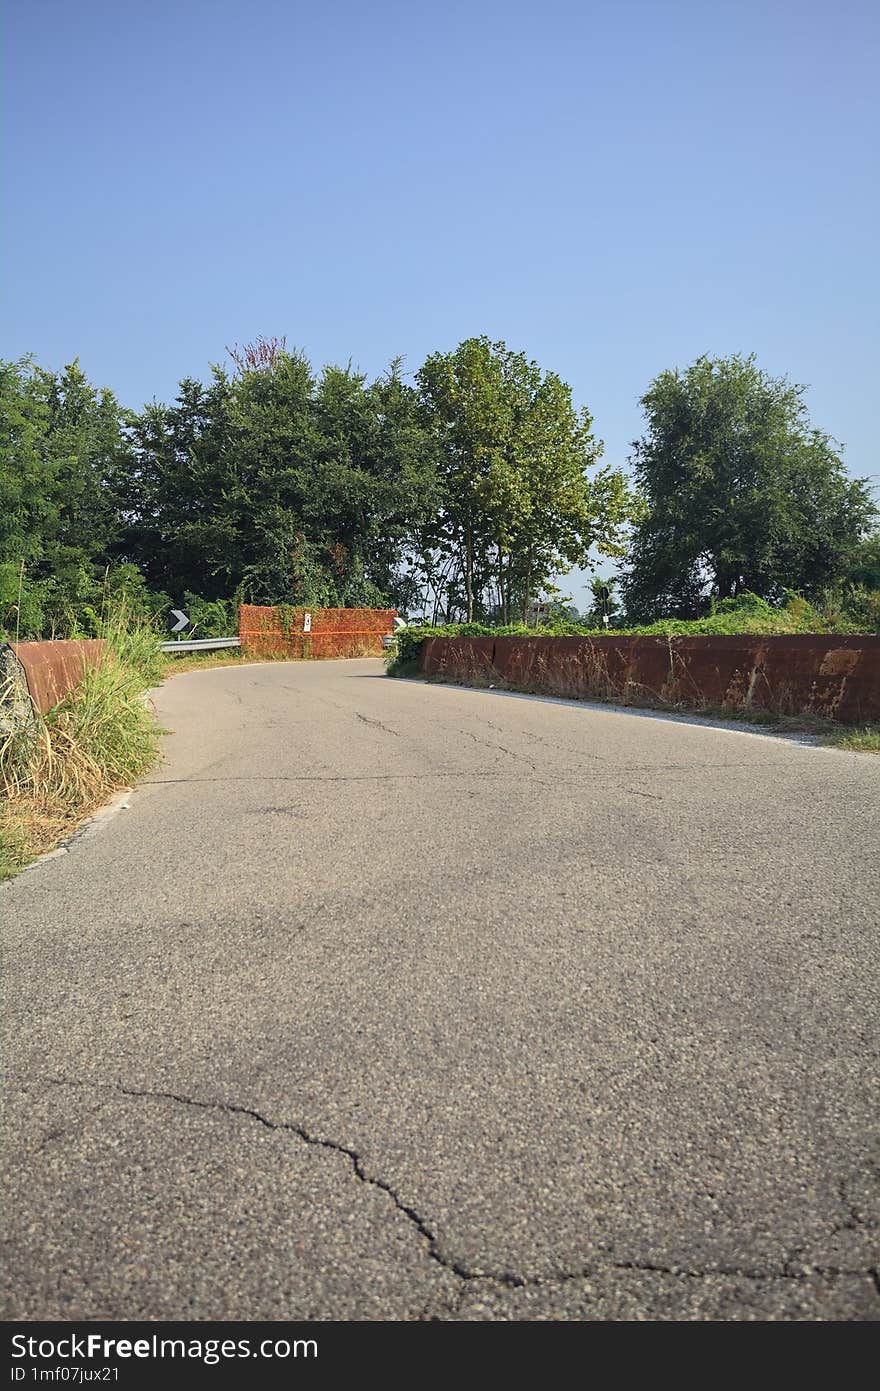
{"x": 613, "y": 187}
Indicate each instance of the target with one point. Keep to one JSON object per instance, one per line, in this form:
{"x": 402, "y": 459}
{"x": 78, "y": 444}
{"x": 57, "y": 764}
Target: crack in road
{"x": 550, "y": 743}
{"x": 333, "y": 777}
{"x": 376, "y": 724}
{"x": 506, "y": 1279}
{"x": 475, "y": 773}
{"x": 854, "y": 1221}
{"x": 497, "y": 748}
{"x": 567, "y": 782}
{"x": 318, "y": 1142}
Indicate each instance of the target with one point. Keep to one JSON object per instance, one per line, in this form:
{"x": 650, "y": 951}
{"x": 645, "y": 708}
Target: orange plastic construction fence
{"x": 313, "y": 633}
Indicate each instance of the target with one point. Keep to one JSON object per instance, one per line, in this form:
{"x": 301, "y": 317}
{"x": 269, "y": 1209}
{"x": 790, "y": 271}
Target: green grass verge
{"x": 224, "y": 657}
{"x": 864, "y": 740}
{"x": 201, "y": 661}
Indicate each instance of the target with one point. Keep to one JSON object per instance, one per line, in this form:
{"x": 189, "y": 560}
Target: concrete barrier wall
{"x": 52, "y": 669}
{"x": 833, "y": 676}
{"x": 278, "y": 632}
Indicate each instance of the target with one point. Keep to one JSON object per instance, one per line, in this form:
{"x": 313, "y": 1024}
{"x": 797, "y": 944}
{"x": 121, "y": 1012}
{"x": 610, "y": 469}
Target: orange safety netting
{"x": 279, "y": 631}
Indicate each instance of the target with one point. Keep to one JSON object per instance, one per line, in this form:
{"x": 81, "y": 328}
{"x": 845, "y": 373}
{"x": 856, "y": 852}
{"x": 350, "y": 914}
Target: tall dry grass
{"x": 96, "y": 741}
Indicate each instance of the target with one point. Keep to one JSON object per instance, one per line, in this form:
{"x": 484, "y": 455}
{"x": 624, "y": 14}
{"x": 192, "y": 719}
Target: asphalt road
{"x": 386, "y": 1000}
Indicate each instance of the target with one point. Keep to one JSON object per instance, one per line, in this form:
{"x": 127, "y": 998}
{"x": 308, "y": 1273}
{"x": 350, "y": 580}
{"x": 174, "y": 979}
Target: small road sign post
{"x": 182, "y": 620}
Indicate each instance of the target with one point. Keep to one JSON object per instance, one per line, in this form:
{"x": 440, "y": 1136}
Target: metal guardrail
{"x": 198, "y": 644}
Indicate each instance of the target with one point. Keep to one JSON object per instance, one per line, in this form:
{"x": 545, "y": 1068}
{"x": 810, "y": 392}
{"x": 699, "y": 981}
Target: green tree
{"x": 373, "y": 482}
{"x": 517, "y": 503}
{"x": 604, "y": 603}
{"x": 60, "y": 444}
{"x": 29, "y": 494}
{"x": 741, "y": 493}
{"x": 175, "y": 491}
{"x": 83, "y": 444}
{"x": 865, "y": 567}
{"x": 280, "y": 485}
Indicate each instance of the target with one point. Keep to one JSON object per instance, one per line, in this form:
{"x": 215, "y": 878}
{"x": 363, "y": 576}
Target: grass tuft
{"x": 864, "y": 740}
{"x": 96, "y": 741}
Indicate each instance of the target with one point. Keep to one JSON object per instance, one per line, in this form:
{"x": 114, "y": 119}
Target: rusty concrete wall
{"x": 834, "y": 676}
{"x": 278, "y": 632}
{"x": 53, "y": 669}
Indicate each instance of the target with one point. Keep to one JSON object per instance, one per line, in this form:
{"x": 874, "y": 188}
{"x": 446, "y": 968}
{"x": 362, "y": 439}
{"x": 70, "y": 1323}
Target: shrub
{"x": 210, "y": 618}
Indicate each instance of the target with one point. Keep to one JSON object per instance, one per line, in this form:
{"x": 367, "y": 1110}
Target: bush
{"x": 21, "y": 603}
{"x": 72, "y": 602}
{"x": 855, "y": 610}
{"x": 210, "y": 618}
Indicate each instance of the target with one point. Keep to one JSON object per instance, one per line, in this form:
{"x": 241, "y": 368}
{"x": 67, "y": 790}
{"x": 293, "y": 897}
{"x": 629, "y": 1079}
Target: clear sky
{"x": 613, "y": 187}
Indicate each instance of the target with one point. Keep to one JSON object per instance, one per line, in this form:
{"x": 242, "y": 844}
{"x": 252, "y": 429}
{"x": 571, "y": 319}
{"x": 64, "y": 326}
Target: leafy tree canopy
{"x": 741, "y": 493}
{"x": 280, "y": 485}
{"x": 61, "y": 442}
{"x": 518, "y": 501}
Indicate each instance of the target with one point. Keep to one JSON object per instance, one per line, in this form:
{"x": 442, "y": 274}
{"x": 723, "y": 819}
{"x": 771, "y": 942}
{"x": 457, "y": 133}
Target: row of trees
{"x": 461, "y": 495}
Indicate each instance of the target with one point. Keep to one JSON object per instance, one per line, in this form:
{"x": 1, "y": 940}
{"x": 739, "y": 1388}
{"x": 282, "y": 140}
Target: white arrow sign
{"x": 182, "y": 620}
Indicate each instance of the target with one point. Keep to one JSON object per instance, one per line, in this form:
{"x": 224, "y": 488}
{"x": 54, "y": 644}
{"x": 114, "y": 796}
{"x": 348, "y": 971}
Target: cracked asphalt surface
{"x": 395, "y": 1001}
